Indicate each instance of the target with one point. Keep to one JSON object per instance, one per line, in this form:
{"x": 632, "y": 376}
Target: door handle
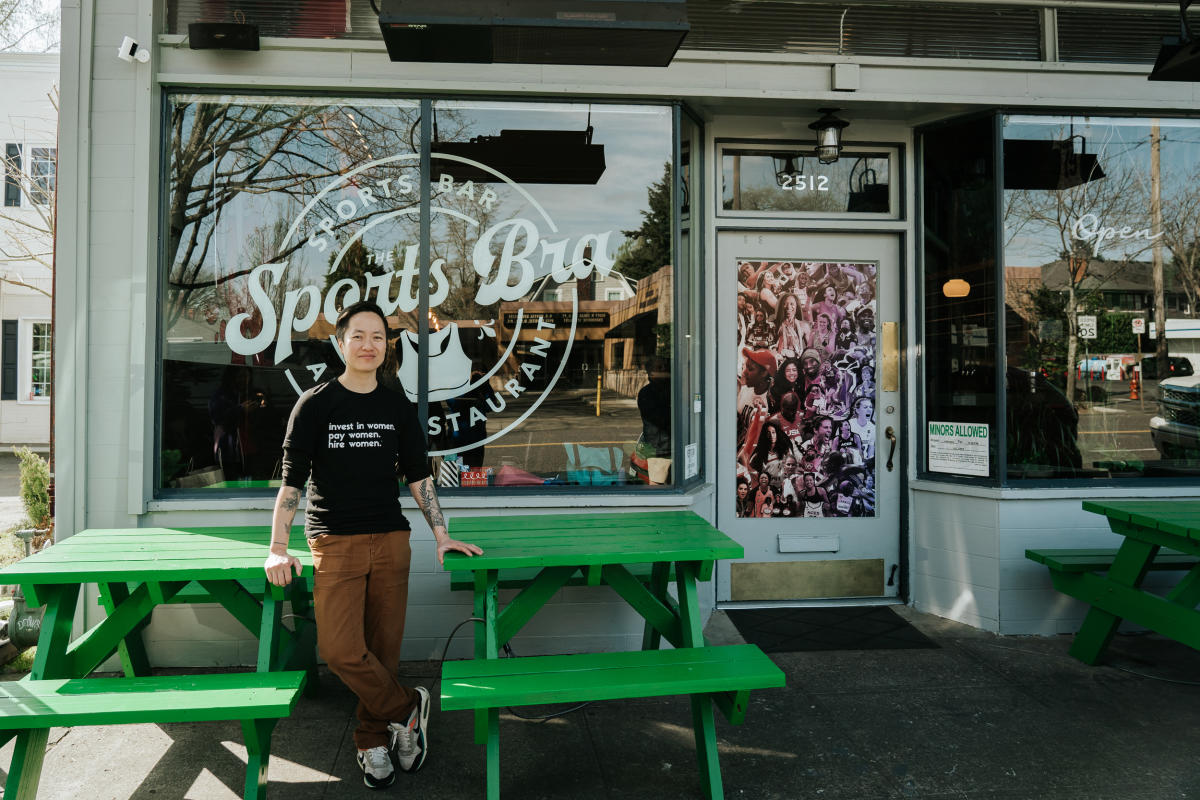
{"x": 890, "y": 433}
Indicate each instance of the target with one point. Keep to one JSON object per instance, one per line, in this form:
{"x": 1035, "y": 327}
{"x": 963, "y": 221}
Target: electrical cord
{"x": 509, "y": 652}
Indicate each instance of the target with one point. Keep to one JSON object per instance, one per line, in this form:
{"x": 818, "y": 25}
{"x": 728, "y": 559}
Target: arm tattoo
{"x": 285, "y": 512}
{"x": 427, "y": 499}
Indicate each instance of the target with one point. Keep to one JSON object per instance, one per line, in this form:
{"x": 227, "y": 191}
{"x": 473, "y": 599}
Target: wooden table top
{"x": 1175, "y": 517}
{"x": 160, "y": 554}
{"x": 549, "y": 540}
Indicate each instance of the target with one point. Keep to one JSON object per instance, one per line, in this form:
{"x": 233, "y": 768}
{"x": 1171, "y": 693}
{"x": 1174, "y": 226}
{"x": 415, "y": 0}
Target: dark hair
{"x": 781, "y": 308}
{"x": 763, "y": 447}
{"x": 343, "y": 320}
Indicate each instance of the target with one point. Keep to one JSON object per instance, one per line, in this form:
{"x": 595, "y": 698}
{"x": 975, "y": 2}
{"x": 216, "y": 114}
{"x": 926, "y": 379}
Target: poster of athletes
{"x": 806, "y": 389}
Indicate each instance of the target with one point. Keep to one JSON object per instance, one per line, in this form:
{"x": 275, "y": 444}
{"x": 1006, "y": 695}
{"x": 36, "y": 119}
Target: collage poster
{"x": 806, "y": 389}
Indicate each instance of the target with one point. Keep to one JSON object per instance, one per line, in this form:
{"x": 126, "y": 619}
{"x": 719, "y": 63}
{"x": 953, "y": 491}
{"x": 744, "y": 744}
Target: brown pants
{"x": 360, "y": 591}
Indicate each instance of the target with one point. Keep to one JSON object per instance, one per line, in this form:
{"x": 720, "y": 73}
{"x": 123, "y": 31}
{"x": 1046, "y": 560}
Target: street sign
{"x": 1139, "y": 324}
{"x": 1087, "y": 326}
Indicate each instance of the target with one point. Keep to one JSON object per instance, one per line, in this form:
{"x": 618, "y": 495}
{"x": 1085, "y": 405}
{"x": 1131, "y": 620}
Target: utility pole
{"x": 1160, "y": 300}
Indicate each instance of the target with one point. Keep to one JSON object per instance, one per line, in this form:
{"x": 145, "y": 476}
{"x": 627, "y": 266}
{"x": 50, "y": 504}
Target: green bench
{"x": 32, "y": 707}
{"x": 1099, "y": 559}
{"x": 462, "y": 580}
{"x": 1088, "y": 575}
{"x": 726, "y": 674}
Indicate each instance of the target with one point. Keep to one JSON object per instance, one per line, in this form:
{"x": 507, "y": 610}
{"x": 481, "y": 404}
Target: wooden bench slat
{"x": 1101, "y": 558}
{"x": 534, "y": 680}
{"x": 70, "y": 573}
{"x": 519, "y": 578}
{"x": 571, "y": 521}
{"x": 177, "y": 698}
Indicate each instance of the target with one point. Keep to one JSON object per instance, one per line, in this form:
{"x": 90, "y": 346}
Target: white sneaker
{"x": 409, "y": 738}
{"x": 376, "y": 765}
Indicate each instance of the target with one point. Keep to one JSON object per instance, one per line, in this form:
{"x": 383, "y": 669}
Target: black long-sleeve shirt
{"x": 355, "y": 446}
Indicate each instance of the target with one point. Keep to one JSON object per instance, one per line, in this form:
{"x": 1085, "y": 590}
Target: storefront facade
{"x": 634, "y": 287}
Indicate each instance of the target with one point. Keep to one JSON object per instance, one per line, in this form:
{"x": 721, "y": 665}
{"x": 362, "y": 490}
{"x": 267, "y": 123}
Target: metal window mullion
{"x": 919, "y": 380}
{"x": 423, "y": 266}
{"x": 1001, "y": 318}
{"x": 1048, "y": 23}
{"x": 696, "y": 210}
{"x": 679, "y": 408}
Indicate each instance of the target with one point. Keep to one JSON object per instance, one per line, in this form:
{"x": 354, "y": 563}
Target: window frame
{"x": 895, "y": 181}
{"x": 680, "y": 394}
{"x": 30, "y": 187}
{"x": 42, "y": 186}
{"x": 1002, "y": 480}
{"x": 25, "y": 361}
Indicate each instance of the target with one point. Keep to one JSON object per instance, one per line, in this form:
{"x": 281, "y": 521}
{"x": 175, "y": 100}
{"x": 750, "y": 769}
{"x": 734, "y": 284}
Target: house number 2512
{"x": 805, "y": 183}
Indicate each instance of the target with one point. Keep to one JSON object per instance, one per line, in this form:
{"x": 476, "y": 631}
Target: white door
{"x": 809, "y": 415}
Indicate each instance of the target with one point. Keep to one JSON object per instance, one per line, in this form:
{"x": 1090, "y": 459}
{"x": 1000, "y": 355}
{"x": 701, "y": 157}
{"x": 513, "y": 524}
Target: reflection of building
{"x": 1112, "y": 287}
{"x": 637, "y": 322}
{"x": 1122, "y": 286}
{"x": 28, "y": 122}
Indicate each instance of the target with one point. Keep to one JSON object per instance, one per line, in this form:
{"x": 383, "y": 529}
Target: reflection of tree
{"x": 649, "y": 246}
{"x": 769, "y": 198}
{"x": 1048, "y": 216}
{"x": 355, "y": 264}
{"x": 1181, "y": 234}
{"x": 27, "y": 27}
{"x": 453, "y": 242}
{"x": 228, "y": 296}
{"x": 1047, "y": 352}
{"x": 223, "y": 150}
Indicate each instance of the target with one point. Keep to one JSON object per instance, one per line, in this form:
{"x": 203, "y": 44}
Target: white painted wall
{"x": 28, "y": 118}
{"x": 963, "y": 547}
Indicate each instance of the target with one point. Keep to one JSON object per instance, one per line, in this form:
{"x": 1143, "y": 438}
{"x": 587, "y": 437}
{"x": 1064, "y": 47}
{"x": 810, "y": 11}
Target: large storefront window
{"x": 958, "y": 214}
{"x": 1099, "y": 225}
{"x": 527, "y": 277}
{"x": 1102, "y": 240}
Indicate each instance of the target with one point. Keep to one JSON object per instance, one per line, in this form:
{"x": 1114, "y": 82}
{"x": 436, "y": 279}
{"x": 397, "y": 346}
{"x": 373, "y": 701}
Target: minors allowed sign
{"x": 958, "y": 447}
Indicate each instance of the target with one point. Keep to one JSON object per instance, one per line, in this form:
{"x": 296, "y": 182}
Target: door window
{"x": 787, "y": 180}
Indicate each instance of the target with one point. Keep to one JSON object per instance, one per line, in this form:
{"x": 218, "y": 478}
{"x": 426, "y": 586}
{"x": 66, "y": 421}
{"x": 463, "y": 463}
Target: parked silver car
{"x": 1176, "y": 429}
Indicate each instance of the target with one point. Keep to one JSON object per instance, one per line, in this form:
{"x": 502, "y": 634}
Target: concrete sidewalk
{"x": 983, "y": 717}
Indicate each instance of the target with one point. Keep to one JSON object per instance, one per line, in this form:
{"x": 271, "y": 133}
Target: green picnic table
{"x": 135, "y": 571}
{"x": 611, "y": 549}
{"x": 1157, "y": 535}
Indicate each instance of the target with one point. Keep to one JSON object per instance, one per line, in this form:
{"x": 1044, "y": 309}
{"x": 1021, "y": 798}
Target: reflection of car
{"x": 1176, "y": 430}
{"x": 1177, "y": 367}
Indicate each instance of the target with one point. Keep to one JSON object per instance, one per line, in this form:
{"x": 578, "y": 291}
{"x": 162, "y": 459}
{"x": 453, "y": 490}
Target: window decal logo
{"x": 508, "y": 256}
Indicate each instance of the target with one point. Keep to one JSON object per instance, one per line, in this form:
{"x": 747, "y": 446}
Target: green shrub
{"x": 35, "y": 486}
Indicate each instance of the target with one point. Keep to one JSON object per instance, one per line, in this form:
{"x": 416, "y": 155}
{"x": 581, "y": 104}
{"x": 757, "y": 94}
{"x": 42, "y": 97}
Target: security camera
{"x": 131, "y": 51}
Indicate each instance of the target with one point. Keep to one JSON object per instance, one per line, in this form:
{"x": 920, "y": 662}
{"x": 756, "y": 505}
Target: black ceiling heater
{"x": 633, "y": 33}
